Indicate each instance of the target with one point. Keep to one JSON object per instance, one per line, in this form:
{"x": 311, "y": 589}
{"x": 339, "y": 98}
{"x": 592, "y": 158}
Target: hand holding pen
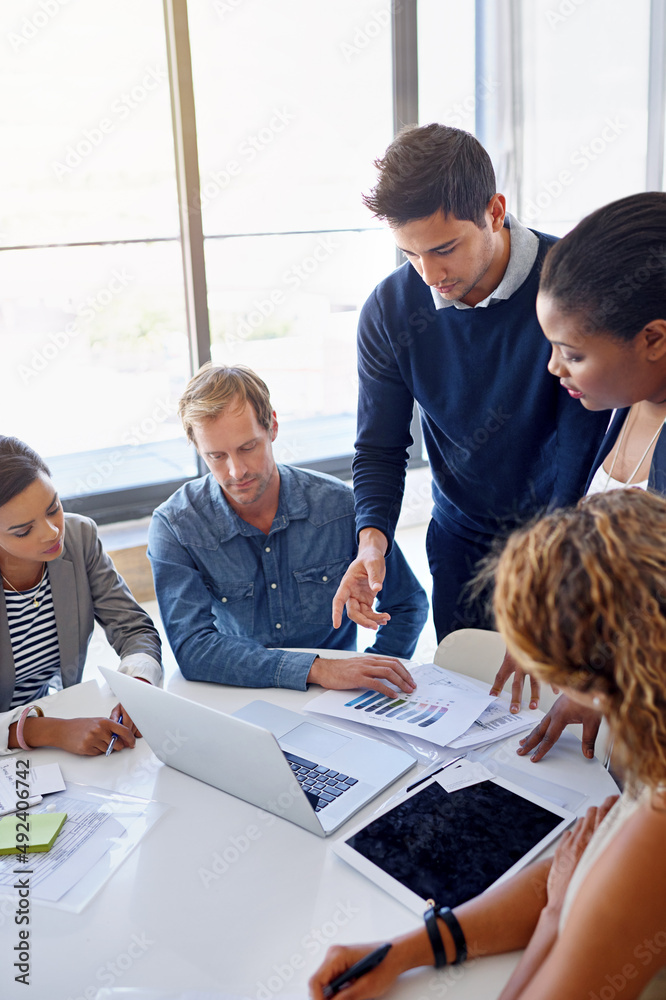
{"x": 355, "y": 971}
{"x": 114, "y": 737}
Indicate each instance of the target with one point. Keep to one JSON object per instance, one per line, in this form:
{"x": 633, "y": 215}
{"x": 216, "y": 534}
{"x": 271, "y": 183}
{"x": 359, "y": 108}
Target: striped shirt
{"x": 34, "y": 639}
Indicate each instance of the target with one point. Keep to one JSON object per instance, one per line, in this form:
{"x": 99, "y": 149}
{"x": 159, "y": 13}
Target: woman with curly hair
{"x": 580, "y": 598}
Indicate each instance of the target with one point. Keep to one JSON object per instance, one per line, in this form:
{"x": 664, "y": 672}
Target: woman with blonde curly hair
{"x": 580, "y": 598}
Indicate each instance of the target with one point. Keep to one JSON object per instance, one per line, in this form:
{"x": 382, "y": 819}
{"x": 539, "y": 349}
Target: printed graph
{"x": 411, "y": 710}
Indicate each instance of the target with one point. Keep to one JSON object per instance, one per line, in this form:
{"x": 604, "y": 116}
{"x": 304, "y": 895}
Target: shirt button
{"x": 273, "y": 586}
{"x": 324, "y": 578}
{"x": 224, "y": 600}
{"x": 267, "y": 549}
{"x": 277, "y": 625}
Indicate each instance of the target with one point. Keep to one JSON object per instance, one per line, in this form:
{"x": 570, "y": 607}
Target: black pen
{"x": 357, "y": 970}
{"x": 433, "y": 773}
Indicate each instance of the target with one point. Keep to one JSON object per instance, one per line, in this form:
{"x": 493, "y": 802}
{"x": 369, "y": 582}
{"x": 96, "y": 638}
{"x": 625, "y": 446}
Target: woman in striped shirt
{"x": 56, "y": 582}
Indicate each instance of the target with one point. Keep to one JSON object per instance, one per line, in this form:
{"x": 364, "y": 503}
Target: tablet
{"x": 451, "y": 846}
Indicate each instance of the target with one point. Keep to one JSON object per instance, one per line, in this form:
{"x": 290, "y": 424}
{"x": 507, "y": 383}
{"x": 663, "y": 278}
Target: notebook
{"x": 312, "y": 774}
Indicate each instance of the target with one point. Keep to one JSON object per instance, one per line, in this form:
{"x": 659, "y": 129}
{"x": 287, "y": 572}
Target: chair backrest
{"x": 479, "y": 653}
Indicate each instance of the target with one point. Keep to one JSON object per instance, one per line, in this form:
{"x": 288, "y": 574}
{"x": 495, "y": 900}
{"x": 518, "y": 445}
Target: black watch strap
{"x": 451, "y": 921}
{"x": 430, "y": 917}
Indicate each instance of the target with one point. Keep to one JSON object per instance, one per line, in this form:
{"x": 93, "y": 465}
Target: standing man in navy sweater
{"x": 455, "y": 330}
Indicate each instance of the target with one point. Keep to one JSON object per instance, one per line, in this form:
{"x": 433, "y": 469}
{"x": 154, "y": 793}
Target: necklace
{"x": 41, "y": 581}
{"x": 619, "y": 449}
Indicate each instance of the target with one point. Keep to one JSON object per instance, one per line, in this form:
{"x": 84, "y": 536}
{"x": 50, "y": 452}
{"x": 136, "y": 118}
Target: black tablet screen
{"x": 450, "y": 847}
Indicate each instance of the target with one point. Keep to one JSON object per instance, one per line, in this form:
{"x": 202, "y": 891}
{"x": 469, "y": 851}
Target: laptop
{"x": 307, "y": 772}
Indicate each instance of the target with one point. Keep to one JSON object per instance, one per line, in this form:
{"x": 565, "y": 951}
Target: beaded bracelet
{"x": 21, "y": 722}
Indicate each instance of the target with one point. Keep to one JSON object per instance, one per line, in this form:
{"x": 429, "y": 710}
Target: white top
{"x": 601, "y": 483}
{"x": 610, "y": 826}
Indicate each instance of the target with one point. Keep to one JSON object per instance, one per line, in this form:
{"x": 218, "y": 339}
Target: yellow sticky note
{"x": 37, "y": 832}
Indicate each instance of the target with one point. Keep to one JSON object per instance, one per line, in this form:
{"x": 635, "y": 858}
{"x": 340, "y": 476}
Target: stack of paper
{"x": 447, "y": 709}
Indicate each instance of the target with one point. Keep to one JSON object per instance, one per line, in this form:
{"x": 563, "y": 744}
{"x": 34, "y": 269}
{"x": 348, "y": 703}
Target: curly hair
{"x": 580, "y": 598}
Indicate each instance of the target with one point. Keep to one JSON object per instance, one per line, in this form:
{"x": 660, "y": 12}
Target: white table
{"x": 220, "y": 896}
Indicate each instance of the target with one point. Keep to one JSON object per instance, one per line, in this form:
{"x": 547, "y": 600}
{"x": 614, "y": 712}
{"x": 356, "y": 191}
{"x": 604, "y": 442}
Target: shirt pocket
{"x": 316, "y": 590}
{"x": 234, "y": 609}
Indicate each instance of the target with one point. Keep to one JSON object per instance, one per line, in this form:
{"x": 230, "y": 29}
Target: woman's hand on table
{"x": 562, "y": 714}
{"x": 509, "y": 667}
{"x": 87, "y": 737}
{"x": 339, "y": 958}
{"x": 116, "y": 713}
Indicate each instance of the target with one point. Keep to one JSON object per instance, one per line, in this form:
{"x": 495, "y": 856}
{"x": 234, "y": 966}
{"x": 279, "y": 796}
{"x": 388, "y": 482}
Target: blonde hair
{"x": 216, "y": 387}
{"x": 580, "y": 598}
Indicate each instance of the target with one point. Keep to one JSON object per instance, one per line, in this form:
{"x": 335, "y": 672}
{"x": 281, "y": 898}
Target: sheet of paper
{"x": 46, "y": 779}
{"x": 463, "y": 774}
{"x": 100, "y": 830}
{"x": 148, "y": 993}
{"x": 8, "y": 792}
{"x": 496, "y": 723}
{"x": 81, "y": 843}
{"x": 442, "y": 708}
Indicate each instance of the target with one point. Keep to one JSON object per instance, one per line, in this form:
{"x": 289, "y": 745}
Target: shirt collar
{"x": 523, "y": 252}
{"x": 292, "y": 505}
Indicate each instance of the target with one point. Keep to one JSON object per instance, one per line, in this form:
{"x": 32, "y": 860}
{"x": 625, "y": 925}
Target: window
{"x": 293, "y": 100}
{"x": 288, "y": 124}
{"x": 92, "y": 319}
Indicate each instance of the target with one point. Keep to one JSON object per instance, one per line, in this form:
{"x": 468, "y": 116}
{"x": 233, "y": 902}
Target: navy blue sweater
{"x": 504, "y": 440}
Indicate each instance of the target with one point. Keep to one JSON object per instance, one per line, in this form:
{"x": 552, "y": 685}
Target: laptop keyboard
{"x": 320, "y": 782}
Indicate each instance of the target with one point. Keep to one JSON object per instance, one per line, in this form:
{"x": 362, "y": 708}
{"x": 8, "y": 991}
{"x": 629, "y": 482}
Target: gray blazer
{"x": 85, "y": 588}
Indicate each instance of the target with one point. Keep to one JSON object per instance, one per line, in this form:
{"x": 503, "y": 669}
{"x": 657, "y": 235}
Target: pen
{"x": 432, "y": 774}
{"x": 357, "y": 970}
{"x": 114, "y": 737}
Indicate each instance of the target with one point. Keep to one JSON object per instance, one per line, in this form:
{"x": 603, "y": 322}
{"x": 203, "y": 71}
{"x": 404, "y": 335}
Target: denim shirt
{"x": 226, "y": 591}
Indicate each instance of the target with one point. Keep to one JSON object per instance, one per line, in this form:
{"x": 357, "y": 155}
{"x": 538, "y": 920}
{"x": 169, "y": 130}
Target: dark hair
{"x": 611, "y": 269}
{"x": 20, "y": 465}
{"x": 431, "y": 167}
